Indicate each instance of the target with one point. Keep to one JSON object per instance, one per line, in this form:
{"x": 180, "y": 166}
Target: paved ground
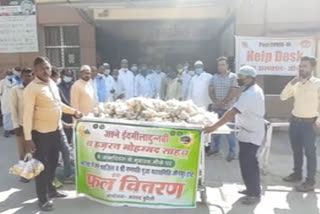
{"x": 223, "y": 181}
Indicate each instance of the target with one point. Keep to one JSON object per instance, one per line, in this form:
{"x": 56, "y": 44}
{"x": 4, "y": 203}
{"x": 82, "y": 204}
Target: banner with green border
{"x": 137, "y": 165}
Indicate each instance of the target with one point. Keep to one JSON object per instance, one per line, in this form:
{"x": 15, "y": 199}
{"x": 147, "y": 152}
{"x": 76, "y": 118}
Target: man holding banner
{"x": 305, "y": 89}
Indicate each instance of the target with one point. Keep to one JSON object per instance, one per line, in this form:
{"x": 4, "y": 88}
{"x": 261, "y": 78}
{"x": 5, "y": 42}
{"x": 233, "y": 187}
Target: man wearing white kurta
{"x": 199, "y": 86}
{"x": 126, "y": 77}
{"x": 157, "y": 81}
{"x": 104, "y": 84}
{"x": 143, "y": 83}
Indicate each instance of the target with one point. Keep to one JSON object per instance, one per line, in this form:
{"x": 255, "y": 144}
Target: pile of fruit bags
{"x": 145, "y": 109}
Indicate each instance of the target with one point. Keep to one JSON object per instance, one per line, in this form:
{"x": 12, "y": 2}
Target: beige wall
{"x": 54, "y": 15}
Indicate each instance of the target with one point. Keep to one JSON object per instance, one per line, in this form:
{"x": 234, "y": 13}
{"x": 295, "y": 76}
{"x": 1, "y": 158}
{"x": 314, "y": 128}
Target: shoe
{"x": 57, "y": 195}
{"x": 24, "y": 180}
{"x": 244, "y": 192}
{"x": 213, "y": 153}
{"x": 250, "y": 200}
{"x": 69, "y": 180}
{"x": 305, "y": 187}
{"x": 57, "y": 184}
{"x": 292, "y": 178}
{"x": 47, "y": 207}
{"x": 231, "y": 156}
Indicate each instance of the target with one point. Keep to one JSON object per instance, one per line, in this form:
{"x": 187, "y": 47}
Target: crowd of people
{"x": 40, "y": 104}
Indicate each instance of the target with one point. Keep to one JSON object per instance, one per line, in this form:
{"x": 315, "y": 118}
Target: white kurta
{"x": 157, "y": 81}
{"x": 186, "y": 78}
{"x": 6, "y": 86}
{"x": 126, "y": 77}
{"x": 143, "y": 86}
{"x": 199, "y": 89}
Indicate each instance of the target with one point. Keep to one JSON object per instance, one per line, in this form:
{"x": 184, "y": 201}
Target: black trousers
{"x": 47, "y": 151}
{"x": 249, "y": 166}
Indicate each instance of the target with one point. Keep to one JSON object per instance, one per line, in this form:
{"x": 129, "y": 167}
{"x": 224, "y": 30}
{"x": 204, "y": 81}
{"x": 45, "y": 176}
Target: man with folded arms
{"x": 305, "y": 89}
{"x": 43, "y": 128}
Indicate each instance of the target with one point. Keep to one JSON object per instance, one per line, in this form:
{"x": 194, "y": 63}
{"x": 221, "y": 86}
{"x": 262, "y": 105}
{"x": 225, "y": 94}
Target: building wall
{"x": 278, "y": 18}
{"x": 55, "y": 15}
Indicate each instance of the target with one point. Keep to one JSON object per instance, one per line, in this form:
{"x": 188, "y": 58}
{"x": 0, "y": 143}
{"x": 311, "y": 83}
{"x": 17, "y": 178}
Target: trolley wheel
{"x": 203, "y": 195}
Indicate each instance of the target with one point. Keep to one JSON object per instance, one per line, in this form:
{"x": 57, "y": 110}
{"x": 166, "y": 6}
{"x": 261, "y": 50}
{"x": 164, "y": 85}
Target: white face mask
{"x": 192, "y": 73}
{"x": 67, "y": 79}
{"x": 107, "y": 71}
{"x": 134, "y": 69}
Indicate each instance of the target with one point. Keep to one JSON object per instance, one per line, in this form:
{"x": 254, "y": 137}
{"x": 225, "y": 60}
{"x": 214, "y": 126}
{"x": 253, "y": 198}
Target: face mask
{"x": 17, "y": 73}
{"x": 67, "y": 79}
{"x": 134, "y": 69}
{"x": 99, "y": 75}
{"x": 199, "y": 71}
{"x": 180, "y": 70}
{"x": 241, "y": 82}
{"x": 192, "y": 73}
{"x": 58, "y": 81}
{"x": 107, "y": 71}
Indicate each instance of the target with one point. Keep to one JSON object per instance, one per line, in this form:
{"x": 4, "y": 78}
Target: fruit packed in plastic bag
{"x": 146, "y": 109}
{"x": 28, "y": 168}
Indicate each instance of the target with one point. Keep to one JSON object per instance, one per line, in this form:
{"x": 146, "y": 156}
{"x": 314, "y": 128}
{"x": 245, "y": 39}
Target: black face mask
{"x": 241, "y": 82}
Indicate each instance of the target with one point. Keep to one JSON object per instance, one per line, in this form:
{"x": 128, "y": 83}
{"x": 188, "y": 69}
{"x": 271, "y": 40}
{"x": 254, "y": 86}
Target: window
{"x": 62, "y": 46}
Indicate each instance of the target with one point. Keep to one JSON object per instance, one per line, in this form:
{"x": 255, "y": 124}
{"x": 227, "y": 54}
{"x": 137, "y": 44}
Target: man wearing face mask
{"x": 126, "y": 77}
{"x": 223, "y": 91}
{"x": 104, "y": 84}
{"x": 305, "y": 121}
{"x": 157, "y": 81}
{"x": 83, "y": 96}
{"x": 100, "y": 84}
{"x": 143, "y": 83}
{"x": 199, "y": 85}
{"x": 249, "y": 113}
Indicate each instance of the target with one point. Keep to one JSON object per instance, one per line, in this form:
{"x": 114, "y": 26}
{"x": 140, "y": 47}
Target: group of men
{"x": 43, "y": 103}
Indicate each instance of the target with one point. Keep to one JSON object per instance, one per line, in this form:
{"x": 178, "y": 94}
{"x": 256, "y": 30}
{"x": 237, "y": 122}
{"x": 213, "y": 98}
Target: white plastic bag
{"x": 28, "y": 168}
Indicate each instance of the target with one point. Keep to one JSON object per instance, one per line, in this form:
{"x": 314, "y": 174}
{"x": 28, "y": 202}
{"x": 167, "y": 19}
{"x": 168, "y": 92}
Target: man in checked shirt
{"x": 223, "y": 91}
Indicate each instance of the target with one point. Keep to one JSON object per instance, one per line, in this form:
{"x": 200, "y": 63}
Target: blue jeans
{"x": 65, "y": 151}
{"x": 215, "y": 139}
{"x": 302, "y": 139}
